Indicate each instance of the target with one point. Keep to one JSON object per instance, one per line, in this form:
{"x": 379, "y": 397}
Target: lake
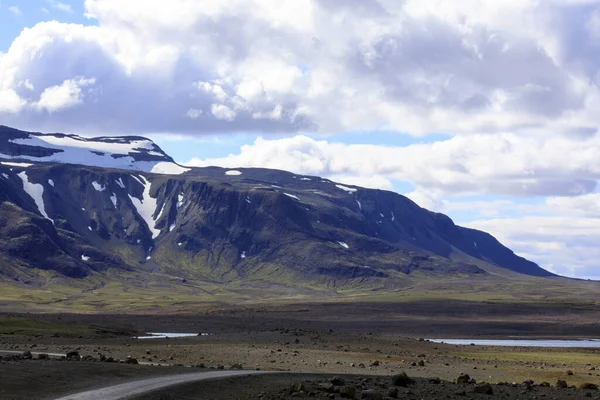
{"x": 587, "y": 343}
{"x": 163, "y": 335}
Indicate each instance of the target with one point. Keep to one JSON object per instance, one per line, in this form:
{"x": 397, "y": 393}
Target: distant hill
{"x": 104, "y": 207}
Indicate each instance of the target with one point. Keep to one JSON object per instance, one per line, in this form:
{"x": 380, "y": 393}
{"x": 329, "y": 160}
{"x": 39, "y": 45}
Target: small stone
{"x": 348, "y": 392}
{"x": 371, "y": 394}
{"x": 327, "y": 387}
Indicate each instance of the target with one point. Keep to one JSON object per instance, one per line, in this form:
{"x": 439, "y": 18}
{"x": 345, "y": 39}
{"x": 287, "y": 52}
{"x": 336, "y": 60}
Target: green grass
{"x": 569, "y": 357}
{"x": 32, "y": 327}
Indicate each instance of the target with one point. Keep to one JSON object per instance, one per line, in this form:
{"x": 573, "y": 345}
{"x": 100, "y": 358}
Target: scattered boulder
{"x": 569, "y": 372}
{"x": 393, "y": 393}
{"x": 463, "y": 379}
{"x": 401, "y": 379}
{"x": 27, "y": 355}
{"x": 435, "y": 381}
{"x": 73, "y": 356}
{"x": 327, "y": 387}
{"x": 484, "y": 388}
{"x": 43, "y": 356}
{"x": 371, "y": 394}
{"x": 588, "y": 386}
{"x": 131, "y": 360}
{"x": 337, "y": 381}
{"x": 236, "y": 366}
{"x": 421, "y": 363}
{"x": 375, "y": 363}
{"x": 348, "y": 392}
{"x": 561, "y": 384}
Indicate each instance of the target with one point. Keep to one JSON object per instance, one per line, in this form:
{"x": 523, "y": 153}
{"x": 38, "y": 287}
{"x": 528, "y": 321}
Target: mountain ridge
{"x": 246, "y": 226}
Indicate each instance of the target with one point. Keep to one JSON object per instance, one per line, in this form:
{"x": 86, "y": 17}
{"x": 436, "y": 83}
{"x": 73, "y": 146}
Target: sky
{"x": 485, "y": 110}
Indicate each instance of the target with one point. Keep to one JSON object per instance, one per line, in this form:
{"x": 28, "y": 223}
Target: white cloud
{"x": 452, "y": 66}
{"x": 60, "y": 6}
{"x": 222, "y": 112}
{"x": 566, "y": 245}
{"x": 15, "y": 10}
{"x": 10, "y": 102}
{"x": 66, "y": 95}
{"x": 193, "y": 113}
{"x": 463, "y": 165}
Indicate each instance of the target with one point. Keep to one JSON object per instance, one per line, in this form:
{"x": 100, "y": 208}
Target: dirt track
{"x": 348, "y": 339}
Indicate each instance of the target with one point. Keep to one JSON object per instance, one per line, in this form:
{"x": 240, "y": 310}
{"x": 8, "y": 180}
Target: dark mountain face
{"x": 247, "y": 225}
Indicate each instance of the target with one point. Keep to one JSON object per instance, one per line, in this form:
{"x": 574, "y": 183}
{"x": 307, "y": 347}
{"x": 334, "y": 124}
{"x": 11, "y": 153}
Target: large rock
{"x": 73, "y": 356}
{"x": 588, "y": 386}
{"x": 337, "y": 381}
{"x": 561, "y": 384}
{"x": 401, "y": 379}
{"x": 484, "y": 388}
{"x": 463, "y": 379}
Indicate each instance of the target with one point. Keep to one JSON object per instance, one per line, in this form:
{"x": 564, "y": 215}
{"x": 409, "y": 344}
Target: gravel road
{"x": 126, "y": 390}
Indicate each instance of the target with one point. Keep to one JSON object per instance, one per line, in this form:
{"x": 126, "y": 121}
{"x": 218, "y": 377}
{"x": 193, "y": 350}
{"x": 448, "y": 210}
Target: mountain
{"x": 110, "y": 208}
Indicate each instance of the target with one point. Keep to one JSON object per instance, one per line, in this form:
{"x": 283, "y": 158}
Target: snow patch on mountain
{"x": 5, "y": 176}
{"x": 344, "y": 245}
{"x": 346, "y": 188}
{"x": 51, "y": 182}
{"x": 113, "y": 198}
{"x": 98, "y": 187}
{"x": 137, "y": 154}
{"x": 233, "y": 173}
{"x": 85, "y": 258}
{"x": 120, "y": 183}
{"x": 166, "y": 168}
{"x": 292, "y": 196}
{"x": 36, "y": 191}
{"x": 146, "y": 207}
{"x": 14, "y": 164}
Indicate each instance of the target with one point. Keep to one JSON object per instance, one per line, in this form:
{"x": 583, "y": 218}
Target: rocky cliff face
{"x": 247, "y": 225}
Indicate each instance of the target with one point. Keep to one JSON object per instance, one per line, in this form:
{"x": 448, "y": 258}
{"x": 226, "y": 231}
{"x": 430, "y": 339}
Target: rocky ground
{"x": 366, "y": 351}
{"x": 364, "y": 387}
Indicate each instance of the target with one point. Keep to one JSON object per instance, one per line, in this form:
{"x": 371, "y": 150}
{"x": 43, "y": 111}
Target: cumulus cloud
{"x": 67, "y": 94}
{"x": 418, "y": 67}
{"x": 564, "y": 245}
{"x": 501, "y": 164}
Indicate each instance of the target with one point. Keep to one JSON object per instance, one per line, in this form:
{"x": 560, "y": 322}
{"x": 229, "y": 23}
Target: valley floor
{"x": 359, "y": 339}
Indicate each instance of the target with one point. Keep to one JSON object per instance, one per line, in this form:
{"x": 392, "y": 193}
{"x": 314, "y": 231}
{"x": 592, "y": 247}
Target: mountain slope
{"x": 61, "y": 211}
